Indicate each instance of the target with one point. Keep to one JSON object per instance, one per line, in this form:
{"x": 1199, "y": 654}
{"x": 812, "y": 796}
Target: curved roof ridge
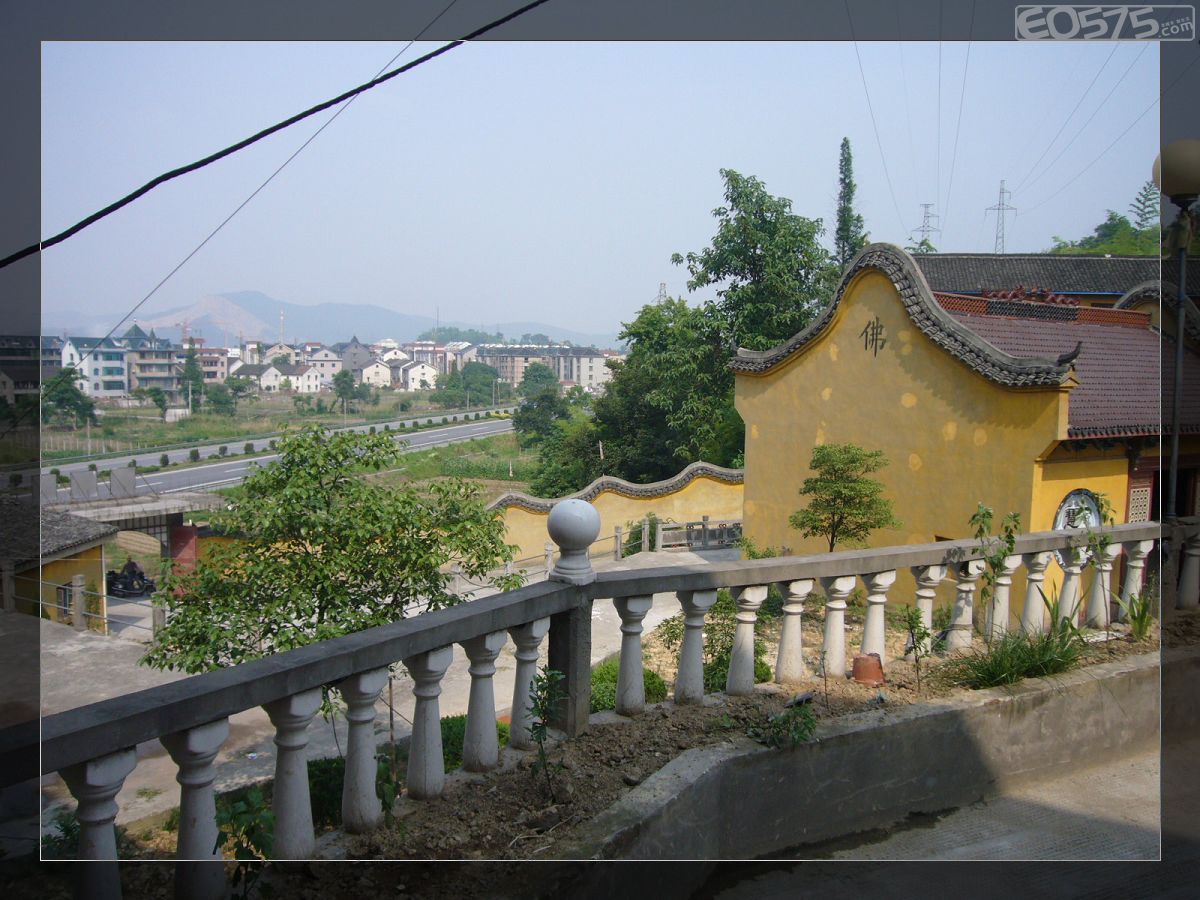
{"x": 925, "y": 312}
{"x": 1168, "y": 294}
{"x": 616, "y": 485}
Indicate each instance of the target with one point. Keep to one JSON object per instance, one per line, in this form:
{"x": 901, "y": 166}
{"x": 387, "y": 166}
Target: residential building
{"x": 1028, "y": 407}
{"x": 51, "y": 355}
{"x": 102, "y": 362}
{"x": 252, "y": 353}
{"x": 326, "y": 362}
{"x": 214, "y": 362}
{"x": 377, "y": 374}
{"x": 414, "y": 376}
{"x": 294, "y": 354}
{"x": 151, "y": 362}
{"x": 584, "y": 366}
{"x": 300, "y": 379}
{"x": 355, "y": 356}
{"x": 252, "y": 372}
{"x": 393, "y": 355}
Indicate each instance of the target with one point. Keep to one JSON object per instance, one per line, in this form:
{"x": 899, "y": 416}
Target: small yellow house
{"x": 70, "y": 546}
{"x": 1031, "y": 407}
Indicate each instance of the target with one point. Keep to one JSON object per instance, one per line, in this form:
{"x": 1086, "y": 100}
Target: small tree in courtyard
{"x": 845, "y": 503}
{"x": 319, "y": 552}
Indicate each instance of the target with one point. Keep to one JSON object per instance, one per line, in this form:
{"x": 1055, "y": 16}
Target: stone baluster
{"x": 426, "y": 774}
{"x": 740, "y": 678}
{"x": 631, "y": 690}
{"x": 361, "y": 809}
{"x": 789, "y": 665}
{"x": 1189, "y": 574}
{"x": 481, "y": 747}
{"x": 1135, "y": 567}
{"x": 528, "y": 638}
{"x": 291, "y": 803}
{"x": 962, "y": 620}
{"x": 1098, "y": 596}
{"x": 833, "y": 651}
{"x": 78, "y": 604}
{"x": 1033, "y": 616}
{"x": 876, "y": 625}
{"x": 927, "y": 578}
{"x": 689, "y": 681}
{"x": 200, "y": 874}
{"x": 997, "y": 611}
{"x": 95, "y": 785}
{"x": 1070, "y": 596}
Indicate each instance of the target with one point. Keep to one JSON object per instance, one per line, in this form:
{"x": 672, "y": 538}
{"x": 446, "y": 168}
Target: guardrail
{"x": 93, "y": 747}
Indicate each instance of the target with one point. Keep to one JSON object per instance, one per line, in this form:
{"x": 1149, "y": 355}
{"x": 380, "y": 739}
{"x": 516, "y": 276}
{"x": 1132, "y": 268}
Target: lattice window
{"x": 1139, "y": 504}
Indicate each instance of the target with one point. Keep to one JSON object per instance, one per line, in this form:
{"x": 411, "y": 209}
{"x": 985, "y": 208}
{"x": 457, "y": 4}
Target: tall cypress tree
{"x": 849, "y": 236}
{"x": 1145, "y": 207}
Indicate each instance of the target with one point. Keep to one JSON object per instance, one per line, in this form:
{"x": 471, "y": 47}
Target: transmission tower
{"x": 1000, "y": 209}
{"x": 927, "y": 219}
{"x": 662, "y": 292}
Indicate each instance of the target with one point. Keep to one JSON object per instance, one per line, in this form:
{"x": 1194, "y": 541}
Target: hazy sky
{"x": 552, "y": 181}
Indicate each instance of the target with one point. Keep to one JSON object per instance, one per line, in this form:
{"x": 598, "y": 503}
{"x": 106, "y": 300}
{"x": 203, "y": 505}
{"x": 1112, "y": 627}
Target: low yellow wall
{"x": 57, "y": 573}
{"x": 720, "y": 501}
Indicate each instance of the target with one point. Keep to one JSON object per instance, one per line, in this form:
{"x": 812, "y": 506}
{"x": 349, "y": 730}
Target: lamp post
{"x": 1177, "y": 173}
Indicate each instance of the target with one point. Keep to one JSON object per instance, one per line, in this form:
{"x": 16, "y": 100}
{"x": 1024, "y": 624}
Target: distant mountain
{"x": 222, "y": 318}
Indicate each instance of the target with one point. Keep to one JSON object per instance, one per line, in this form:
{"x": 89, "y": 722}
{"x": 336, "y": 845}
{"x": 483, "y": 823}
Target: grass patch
{"x": 1015, "y": 657}
{"x": 604, "y": 685}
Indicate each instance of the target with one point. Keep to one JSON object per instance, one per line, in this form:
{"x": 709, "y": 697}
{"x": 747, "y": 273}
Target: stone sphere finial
{"x": 573, "y": 525}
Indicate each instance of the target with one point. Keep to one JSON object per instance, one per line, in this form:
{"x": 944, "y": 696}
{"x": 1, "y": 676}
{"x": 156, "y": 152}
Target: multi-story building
{"x": 355, "y": 356}
{"x": 325, "y": 362}
{"x": 413, "y": 376}
{"x": 377, "y": 374}
{"x": 584, "y": 366}
{"x": 214, "y": 362}
{"x": 151, "y": 362}
{"x": 102, "y": 362}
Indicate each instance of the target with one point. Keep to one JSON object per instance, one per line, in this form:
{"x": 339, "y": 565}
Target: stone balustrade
{"x": 93, "y": 746}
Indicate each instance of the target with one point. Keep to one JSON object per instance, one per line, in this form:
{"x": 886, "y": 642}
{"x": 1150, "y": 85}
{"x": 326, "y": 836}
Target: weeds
{"x": 248, "y": 825}
{"x": 1138, "y": 611}
{"x": 545, "y": 695}
{"x": 919, "y": 637}
{"x": 789, "y": 728}
{"x": 994, "y": 551}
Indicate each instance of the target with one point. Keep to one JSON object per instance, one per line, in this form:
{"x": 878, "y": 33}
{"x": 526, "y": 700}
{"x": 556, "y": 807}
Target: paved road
{"x": 151, "y": 454}
{"x": 224, "y": 474}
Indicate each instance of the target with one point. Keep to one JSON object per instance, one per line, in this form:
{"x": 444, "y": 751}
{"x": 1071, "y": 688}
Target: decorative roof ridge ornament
{"x": 927, "y": 314}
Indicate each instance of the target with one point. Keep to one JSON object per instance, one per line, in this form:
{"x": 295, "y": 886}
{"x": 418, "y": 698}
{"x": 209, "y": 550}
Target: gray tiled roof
{"x": 62, "y": 532}
{"x": 966, "y": 273}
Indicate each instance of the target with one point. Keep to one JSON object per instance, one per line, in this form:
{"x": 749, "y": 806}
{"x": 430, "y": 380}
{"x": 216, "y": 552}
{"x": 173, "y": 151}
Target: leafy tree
{"x": 239, "y": 387}
{"x": 538, "y": 378}
{"x": 449, "y": 333}
{"x": 220, "y": 400}
{"x": 320, "y": 552}
{"x": 281, "y": 359}
{"x": 845, "y": 504}
{"x": 536, "y": 338}
{"x": 154, "y": 395}
{"x": 924, "y": 245}
{"x": 849, "y": 236}
{"x": 285, "y": 384}
{"x": 1115, "y": 235}
{"x": 344, "y": 387}
{"x": 191, "y": 381}
{"x": 774, "y": 271}
{"x": 576, "y": 396}
{"x": 535, "y": 418}
{"x": 63, "y": 401}
{"x": 1145, "y": 208}
{"x": 570, "y": 459}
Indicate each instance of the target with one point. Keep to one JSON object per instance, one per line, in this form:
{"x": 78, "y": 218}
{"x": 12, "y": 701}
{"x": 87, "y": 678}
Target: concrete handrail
{"x": 83, "y": 733}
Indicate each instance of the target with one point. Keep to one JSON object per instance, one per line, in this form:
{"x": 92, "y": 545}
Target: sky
{"x": 552, "y": 181}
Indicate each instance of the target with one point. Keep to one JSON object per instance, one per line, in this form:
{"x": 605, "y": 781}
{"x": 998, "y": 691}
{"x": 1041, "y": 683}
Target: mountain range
{"x": 225, "y": 319}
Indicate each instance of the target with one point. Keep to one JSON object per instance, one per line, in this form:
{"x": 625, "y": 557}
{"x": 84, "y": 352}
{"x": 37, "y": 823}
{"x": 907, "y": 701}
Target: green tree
{"x": 220, "y": 400}
{"x": 344, "y": 388}
{"x": 191, "y": 381}
{"x": 1145, "y": 208}
{"x": 156, "y": 396}
{"x": 319, "y": 552}
{"x": 1115, "y": 235}
{"x": 538, "y": 378}
{"x": 535, "y": 418}
{"x": 63, "y": 401}
{"x": 570, "y": 459}
{"x": 845, "y": 504}
{"x": 281, "y": 359}
{"x": 239, "y": 387}
{"x": 849, "y": 236}
{"x": 924, "y": 245}
{"x": 774, "y": 271}
{"x": 451, "y": 333}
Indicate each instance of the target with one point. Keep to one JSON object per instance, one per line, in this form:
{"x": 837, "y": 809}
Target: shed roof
{"x": 969, "y": 273}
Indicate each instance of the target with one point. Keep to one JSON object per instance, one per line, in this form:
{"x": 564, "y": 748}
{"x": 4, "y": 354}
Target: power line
{"x": 1120, "y": 80}
{"x": 1117, "y": 139}
{"x": 937, "y": 181}
{"x": 874, "y": 126}
{"x": 912, "y": 155}
{"x": 1078, "y": 103}
{"x": 266, "y": 132}
{"x": 958, "y": 126}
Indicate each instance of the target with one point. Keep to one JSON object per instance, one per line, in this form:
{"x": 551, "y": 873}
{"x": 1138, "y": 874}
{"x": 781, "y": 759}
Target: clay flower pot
{"x": 868, "y": 670}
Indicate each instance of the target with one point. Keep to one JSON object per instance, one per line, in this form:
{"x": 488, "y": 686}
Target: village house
{"x": 377, "y": 374}
{"x": 325, "y": 362}
{"x": 413, "y": 376}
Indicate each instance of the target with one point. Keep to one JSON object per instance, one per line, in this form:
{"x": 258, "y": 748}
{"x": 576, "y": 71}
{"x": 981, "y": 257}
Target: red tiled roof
{"x": 1124, "y": 388}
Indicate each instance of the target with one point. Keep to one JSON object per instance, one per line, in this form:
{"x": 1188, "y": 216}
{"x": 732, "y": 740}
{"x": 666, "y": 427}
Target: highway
{"x": 150, "y": 455}
{"x": 232, "y": 471}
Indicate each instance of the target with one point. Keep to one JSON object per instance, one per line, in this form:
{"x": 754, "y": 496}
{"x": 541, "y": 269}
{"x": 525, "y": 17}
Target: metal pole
{"x": 1177, "y": 400}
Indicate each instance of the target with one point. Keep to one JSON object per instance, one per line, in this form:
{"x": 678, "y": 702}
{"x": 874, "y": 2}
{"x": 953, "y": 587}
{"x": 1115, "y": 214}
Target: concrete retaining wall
{"x": 744, "y": 801}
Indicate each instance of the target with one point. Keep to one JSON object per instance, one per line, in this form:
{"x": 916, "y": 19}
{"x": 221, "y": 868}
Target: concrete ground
{"x": 81, "y": 668}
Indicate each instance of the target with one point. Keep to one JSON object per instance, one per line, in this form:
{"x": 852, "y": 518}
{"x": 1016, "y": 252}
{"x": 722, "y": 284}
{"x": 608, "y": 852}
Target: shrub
{"x": 789, "y": 728}
{"x": 444, "y": 420}
{"x": 720, "y": 625}
{"x": 133, "y": 463}
{"x": 387, "y": 427}
{"x": 371, "y": 430}
{"x": 222, "y": 450}
{"x": 1017, "y": 656}
{"x": 454, "y": 732}
{"x": 91, "y": 467}
{"x": 633, "y": 535}
{"x": 271, "y": 445}
{"x": 249, "y": 447}
{"x": 164, "y": 460}
{"x": 604, "y": 685}
{"x": 194, "y": 454}
{"x": 1138, "y": 611}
